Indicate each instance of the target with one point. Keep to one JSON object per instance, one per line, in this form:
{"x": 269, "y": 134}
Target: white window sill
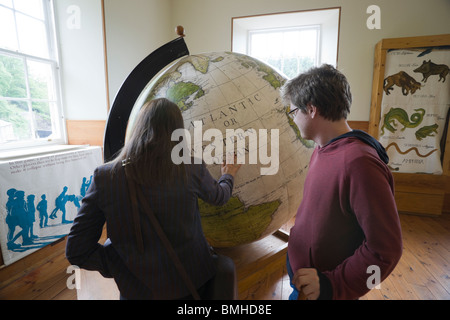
{"x": 37, "y": 151}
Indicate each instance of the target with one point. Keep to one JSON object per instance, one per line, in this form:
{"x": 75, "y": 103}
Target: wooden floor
{"x": 423, "y": 272}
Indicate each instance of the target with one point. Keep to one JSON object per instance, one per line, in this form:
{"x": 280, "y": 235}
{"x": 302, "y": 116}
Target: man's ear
{"x": 312, "y": 110}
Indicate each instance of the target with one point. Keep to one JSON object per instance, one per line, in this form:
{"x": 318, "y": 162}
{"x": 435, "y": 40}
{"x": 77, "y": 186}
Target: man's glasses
{"x": 293, "y": 113}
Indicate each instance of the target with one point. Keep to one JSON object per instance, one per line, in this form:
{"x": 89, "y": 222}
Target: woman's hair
{"x": 149, "y": 147}
{"x": 324, "y": 87}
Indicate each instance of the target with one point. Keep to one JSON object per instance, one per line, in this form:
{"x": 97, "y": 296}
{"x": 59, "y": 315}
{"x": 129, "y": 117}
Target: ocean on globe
{"x": 230, "y": 91}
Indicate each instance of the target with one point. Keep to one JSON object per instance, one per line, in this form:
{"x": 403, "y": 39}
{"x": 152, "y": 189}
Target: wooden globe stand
{"x": 258, "y": 261}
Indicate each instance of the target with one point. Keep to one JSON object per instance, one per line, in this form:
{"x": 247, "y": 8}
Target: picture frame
{"x": 418, "y": 192}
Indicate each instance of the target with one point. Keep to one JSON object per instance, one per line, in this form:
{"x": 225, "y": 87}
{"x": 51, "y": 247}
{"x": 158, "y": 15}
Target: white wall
{"x": 208, "y": 28}
{"x": 80, "y": 39}
{"x": 136, "y": 28}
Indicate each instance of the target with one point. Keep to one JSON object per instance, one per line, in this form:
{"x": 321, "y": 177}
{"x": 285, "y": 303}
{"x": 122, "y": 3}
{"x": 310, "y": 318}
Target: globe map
{"x": 225, "y": 90}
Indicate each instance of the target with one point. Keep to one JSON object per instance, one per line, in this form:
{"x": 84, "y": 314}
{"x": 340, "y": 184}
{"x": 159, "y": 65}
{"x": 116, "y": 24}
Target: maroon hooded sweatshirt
{"x": 348, "y": 219}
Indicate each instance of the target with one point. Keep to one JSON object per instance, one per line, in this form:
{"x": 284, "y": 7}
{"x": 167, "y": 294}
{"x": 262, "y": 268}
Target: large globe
{"x": 225, "y": 90}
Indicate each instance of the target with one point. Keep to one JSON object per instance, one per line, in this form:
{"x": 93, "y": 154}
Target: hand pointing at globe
{"x": 230, "y": 167}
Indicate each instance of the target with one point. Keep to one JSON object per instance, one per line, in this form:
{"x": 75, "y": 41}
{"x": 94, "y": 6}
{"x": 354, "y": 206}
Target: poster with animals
{"x": 40, "y": 197}
{"x": 414, "y": 109}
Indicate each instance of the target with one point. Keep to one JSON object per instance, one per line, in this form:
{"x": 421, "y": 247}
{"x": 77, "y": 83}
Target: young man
{"x": 347, "y": 230}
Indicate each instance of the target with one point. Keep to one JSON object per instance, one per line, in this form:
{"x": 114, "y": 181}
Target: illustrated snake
{"x": 393, "y": 144}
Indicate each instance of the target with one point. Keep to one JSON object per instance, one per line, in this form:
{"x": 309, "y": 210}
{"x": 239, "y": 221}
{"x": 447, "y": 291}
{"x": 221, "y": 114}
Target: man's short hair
{"x": 324, "y": 87}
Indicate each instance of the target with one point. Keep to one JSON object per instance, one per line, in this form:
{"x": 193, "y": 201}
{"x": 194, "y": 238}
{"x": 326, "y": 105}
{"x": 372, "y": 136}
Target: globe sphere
{"x": 227, "y": 99}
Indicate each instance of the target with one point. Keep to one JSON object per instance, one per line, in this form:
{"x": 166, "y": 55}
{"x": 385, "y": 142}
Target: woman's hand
{"x": 230, "y": 166}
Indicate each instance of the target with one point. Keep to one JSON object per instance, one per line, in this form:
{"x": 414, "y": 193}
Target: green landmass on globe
{"x": 218, "y": 222}
{"x": 270, "y": 76}
{"x": 180, "y": 91}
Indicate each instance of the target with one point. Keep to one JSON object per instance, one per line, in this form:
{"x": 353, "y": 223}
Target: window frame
{"x": 55, "y": 102}
{"x": 327, "y": 18}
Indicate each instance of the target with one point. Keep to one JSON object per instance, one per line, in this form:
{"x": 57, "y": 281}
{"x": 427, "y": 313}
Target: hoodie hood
{"x": 368, "y": 139}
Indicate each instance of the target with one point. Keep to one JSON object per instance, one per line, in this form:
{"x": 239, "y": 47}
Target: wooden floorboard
{"x": 423, "y": 272}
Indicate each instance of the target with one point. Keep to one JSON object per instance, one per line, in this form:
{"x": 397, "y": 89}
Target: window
{"x": 292, "y": 50}
{"x": 30, "y": 109}
{"x": 291, "y": 42}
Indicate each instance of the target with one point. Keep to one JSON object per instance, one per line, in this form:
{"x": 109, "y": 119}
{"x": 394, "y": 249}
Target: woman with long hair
{"x": 133, "y": 254}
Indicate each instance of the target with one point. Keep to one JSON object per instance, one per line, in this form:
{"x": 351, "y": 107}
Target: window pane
{"x": 32, "y": 36}
{"x": 275, "y": 44}
{"x": 31, "y": 7}
{"x": 291, "y": 43}
{"x": 290, "y": 67}
{"x": 6, "y": 126}
{"x": 14, "y": 121}
{"x": 276, "y": 63}
{"x": 42, "y": 119}
{"x": 6, "y": 130}
{"x": 12, "y": 77}
{"x": 7, "y": 3}
{"x": 309, "y": 37}
{"x": 55, "y": 121}
{"x": 40, "y": 80}
{"x": 291, "y": 51}
{"x": 8, "y": 39}
{"x": 258, "y": 46}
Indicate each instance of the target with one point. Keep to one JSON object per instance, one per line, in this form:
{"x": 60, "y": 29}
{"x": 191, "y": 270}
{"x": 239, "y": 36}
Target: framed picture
{"x": 409, "y": 116}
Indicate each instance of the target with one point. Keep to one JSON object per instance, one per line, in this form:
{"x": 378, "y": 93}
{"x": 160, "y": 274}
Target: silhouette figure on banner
{"x": 21, "y": 216}
{"x": 60, "y": 204}
{"x": 85, "y": 186}
{"x": 17, "y": 216}
{"x": 31, "y": 216}
{"x": 42, "y": 209}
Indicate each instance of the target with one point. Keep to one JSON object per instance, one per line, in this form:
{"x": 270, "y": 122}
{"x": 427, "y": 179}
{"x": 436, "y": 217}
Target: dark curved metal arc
{"x": 130, "y": 90}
